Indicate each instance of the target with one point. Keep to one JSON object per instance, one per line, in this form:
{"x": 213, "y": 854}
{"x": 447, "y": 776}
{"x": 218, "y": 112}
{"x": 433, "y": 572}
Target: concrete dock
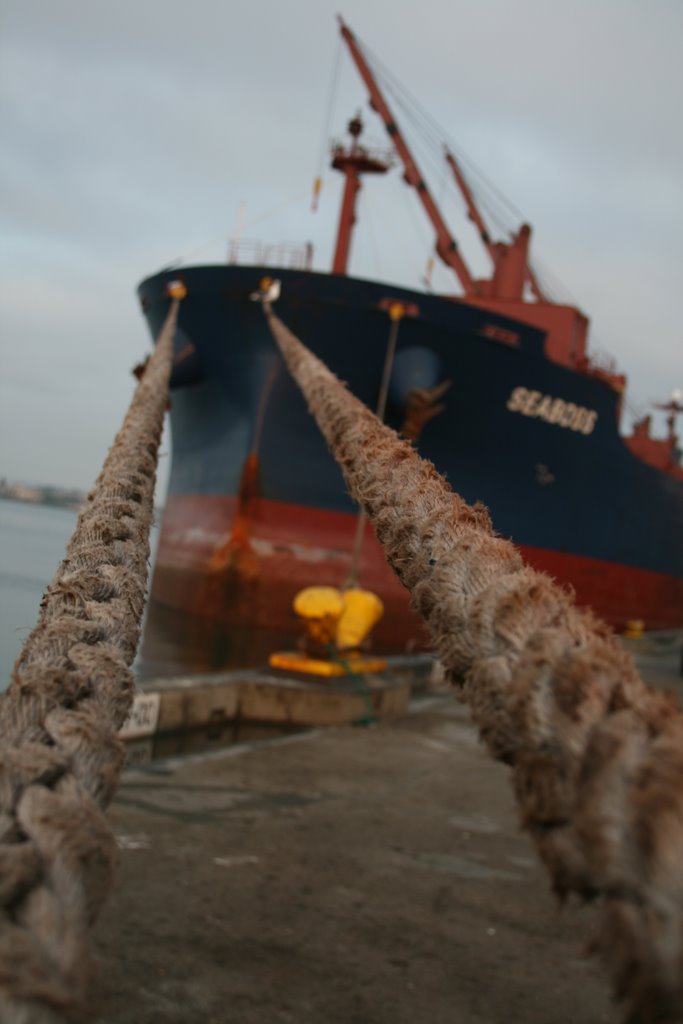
{"x": 351, "y": 874}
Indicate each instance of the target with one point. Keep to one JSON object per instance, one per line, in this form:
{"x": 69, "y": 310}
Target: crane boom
{"x": 494, "y": 249}
{"x": 472, "y": 208}
{"x": 446, "y": 246}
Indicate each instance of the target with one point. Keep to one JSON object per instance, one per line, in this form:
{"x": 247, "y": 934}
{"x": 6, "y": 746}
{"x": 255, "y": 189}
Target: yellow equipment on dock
{"x": 336, "y": 624}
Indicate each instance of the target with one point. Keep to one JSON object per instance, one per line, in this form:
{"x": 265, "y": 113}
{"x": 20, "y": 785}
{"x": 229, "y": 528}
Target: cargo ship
{"x": 495, "y": 385}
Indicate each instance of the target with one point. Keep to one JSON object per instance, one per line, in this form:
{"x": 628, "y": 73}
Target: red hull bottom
{"x": 245, "y": 573}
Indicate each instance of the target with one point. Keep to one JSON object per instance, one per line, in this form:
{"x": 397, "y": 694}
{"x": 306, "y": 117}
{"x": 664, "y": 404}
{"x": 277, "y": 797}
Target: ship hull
{"x": 257, "y": 507}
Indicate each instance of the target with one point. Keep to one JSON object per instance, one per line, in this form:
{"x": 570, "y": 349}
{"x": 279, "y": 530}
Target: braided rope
{"x": 596, "y": 756}
{"x": 70, "y": 692}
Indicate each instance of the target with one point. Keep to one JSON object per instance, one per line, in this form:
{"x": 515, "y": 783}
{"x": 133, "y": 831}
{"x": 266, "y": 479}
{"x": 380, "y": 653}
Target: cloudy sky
{"x": 133, "y": 130}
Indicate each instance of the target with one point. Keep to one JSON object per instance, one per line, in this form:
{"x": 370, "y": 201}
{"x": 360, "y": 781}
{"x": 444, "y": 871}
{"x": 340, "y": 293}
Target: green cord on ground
{"x": 358, "y": 678}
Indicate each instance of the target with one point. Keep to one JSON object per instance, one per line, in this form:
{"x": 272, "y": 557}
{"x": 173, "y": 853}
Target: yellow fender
{"x": 362, "y": 611}
{"x": 320, "y": 609}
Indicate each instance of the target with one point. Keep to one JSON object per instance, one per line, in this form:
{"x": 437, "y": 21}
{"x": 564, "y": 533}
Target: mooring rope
{"x": 70, "y": 692}
{"x": 396, "y": 313}
{"x": 596, "y": 756}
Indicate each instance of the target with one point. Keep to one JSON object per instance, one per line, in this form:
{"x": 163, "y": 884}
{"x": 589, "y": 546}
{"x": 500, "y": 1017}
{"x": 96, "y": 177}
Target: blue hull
{"x": 562, "y": 482}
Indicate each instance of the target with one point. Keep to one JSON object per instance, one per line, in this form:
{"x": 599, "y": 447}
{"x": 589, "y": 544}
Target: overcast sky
{"x": 133, "y": 129}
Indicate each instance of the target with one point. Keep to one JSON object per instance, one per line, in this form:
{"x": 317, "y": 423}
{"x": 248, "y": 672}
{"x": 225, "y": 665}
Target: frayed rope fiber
{"x": 70, "y": 692}
{"x": 596, "y": 756}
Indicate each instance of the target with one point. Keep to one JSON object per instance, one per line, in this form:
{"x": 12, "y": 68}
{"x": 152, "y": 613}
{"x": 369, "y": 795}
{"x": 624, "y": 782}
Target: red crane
{"x": 446, "y": 245}
{"x": 509, "y": 258}
{"x": 565, "y": 327}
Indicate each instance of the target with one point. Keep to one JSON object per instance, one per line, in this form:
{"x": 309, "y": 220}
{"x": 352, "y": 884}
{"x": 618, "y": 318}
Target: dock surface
{"x": 372, "y": 875}
{"x": 350, "y": 875}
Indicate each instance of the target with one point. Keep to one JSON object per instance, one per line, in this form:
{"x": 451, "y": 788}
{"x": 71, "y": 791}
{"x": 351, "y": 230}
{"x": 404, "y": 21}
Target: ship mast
{"x": 446, "y": 246}
{"x": 674, "y": 407}
{"x": 352, "y": 162}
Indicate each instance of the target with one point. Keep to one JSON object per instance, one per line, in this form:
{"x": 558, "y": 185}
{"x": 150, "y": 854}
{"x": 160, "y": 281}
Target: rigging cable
{"x": 439, "y": 136}
{"x": 428, "y": 144}
{"x": 493, "y": 202}
{"x": 329, "y": 112}
{"x": 279, "y": 207}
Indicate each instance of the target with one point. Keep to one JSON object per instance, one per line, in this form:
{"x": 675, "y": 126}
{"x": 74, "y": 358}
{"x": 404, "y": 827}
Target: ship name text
{"x": 552, "y": 410}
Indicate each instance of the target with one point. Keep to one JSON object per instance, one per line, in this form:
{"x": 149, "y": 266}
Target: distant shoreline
{"x": 48, "y": 500}
{"x": 52, "y": 497}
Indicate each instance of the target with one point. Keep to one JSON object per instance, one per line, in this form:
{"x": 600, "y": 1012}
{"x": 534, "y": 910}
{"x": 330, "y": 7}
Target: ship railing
{"x": 602, "y": 362}
{"x": 603, "y": 367}
{"x": 291, "y": 255}
{"x": 376, "y": 154}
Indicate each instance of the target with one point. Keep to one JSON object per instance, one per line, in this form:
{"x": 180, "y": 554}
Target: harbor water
{"x": 32, "y": 542}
